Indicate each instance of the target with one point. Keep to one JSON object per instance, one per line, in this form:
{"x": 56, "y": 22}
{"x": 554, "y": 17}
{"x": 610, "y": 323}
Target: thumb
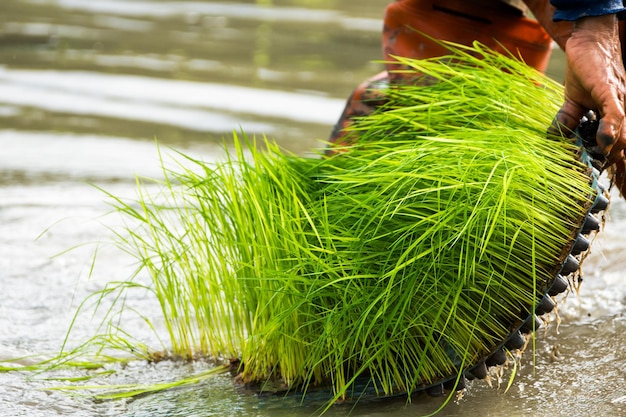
{"x": 567, "y": 119}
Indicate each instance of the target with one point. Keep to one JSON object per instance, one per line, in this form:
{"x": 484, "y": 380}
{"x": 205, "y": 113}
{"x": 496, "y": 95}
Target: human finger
{"x": 566, "y": 119}
{"x": 610, "y": 131}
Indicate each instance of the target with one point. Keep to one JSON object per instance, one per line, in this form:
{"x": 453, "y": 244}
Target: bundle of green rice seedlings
{"x": 414, "y": 257}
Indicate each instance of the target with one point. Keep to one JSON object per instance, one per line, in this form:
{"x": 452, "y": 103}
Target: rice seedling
{"x": 404, "y": 259}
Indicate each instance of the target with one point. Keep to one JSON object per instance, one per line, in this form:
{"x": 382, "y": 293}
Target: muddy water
{"x": 87, "y": 86}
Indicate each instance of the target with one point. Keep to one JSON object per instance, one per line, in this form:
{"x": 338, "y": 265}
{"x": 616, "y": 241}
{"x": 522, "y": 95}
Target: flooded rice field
{"x": 87, "y": 89}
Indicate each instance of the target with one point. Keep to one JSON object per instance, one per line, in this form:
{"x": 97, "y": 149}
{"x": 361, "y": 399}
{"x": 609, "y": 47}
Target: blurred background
{"x": 87, "y": 88}
{"x": 184, "y": 72}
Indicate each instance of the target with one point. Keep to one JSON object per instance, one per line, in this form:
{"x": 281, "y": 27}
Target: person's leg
{"x": 411, "y": 28}
{"x": 368, "y": 96}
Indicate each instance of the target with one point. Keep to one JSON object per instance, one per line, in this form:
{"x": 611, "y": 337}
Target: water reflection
{"x": 251, "y": 61}
{"x": 92, "y": 158}
{"x": 176, "y": 103}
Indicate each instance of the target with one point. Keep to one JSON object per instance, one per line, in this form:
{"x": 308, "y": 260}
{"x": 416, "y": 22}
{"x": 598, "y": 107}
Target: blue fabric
{"x": 575, "y": 9}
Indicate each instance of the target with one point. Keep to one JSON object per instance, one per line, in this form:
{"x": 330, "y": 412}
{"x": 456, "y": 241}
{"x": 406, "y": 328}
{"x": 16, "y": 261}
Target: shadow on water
{"x": 85, "y": 89}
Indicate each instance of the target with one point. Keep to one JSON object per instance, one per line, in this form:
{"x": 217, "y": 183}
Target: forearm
{"x": 572, "y": 10}
{"x": 558, "y": 16}
{"x": 543, "y": 11}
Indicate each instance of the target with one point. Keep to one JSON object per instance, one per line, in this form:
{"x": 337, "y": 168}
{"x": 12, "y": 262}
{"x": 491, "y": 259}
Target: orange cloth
{"x": 461, "y": 22}
{"x": 498, "y": 26}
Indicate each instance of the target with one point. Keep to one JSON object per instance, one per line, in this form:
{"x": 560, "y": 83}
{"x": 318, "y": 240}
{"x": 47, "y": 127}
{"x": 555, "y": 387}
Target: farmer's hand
{"x": 595, "y": 80}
